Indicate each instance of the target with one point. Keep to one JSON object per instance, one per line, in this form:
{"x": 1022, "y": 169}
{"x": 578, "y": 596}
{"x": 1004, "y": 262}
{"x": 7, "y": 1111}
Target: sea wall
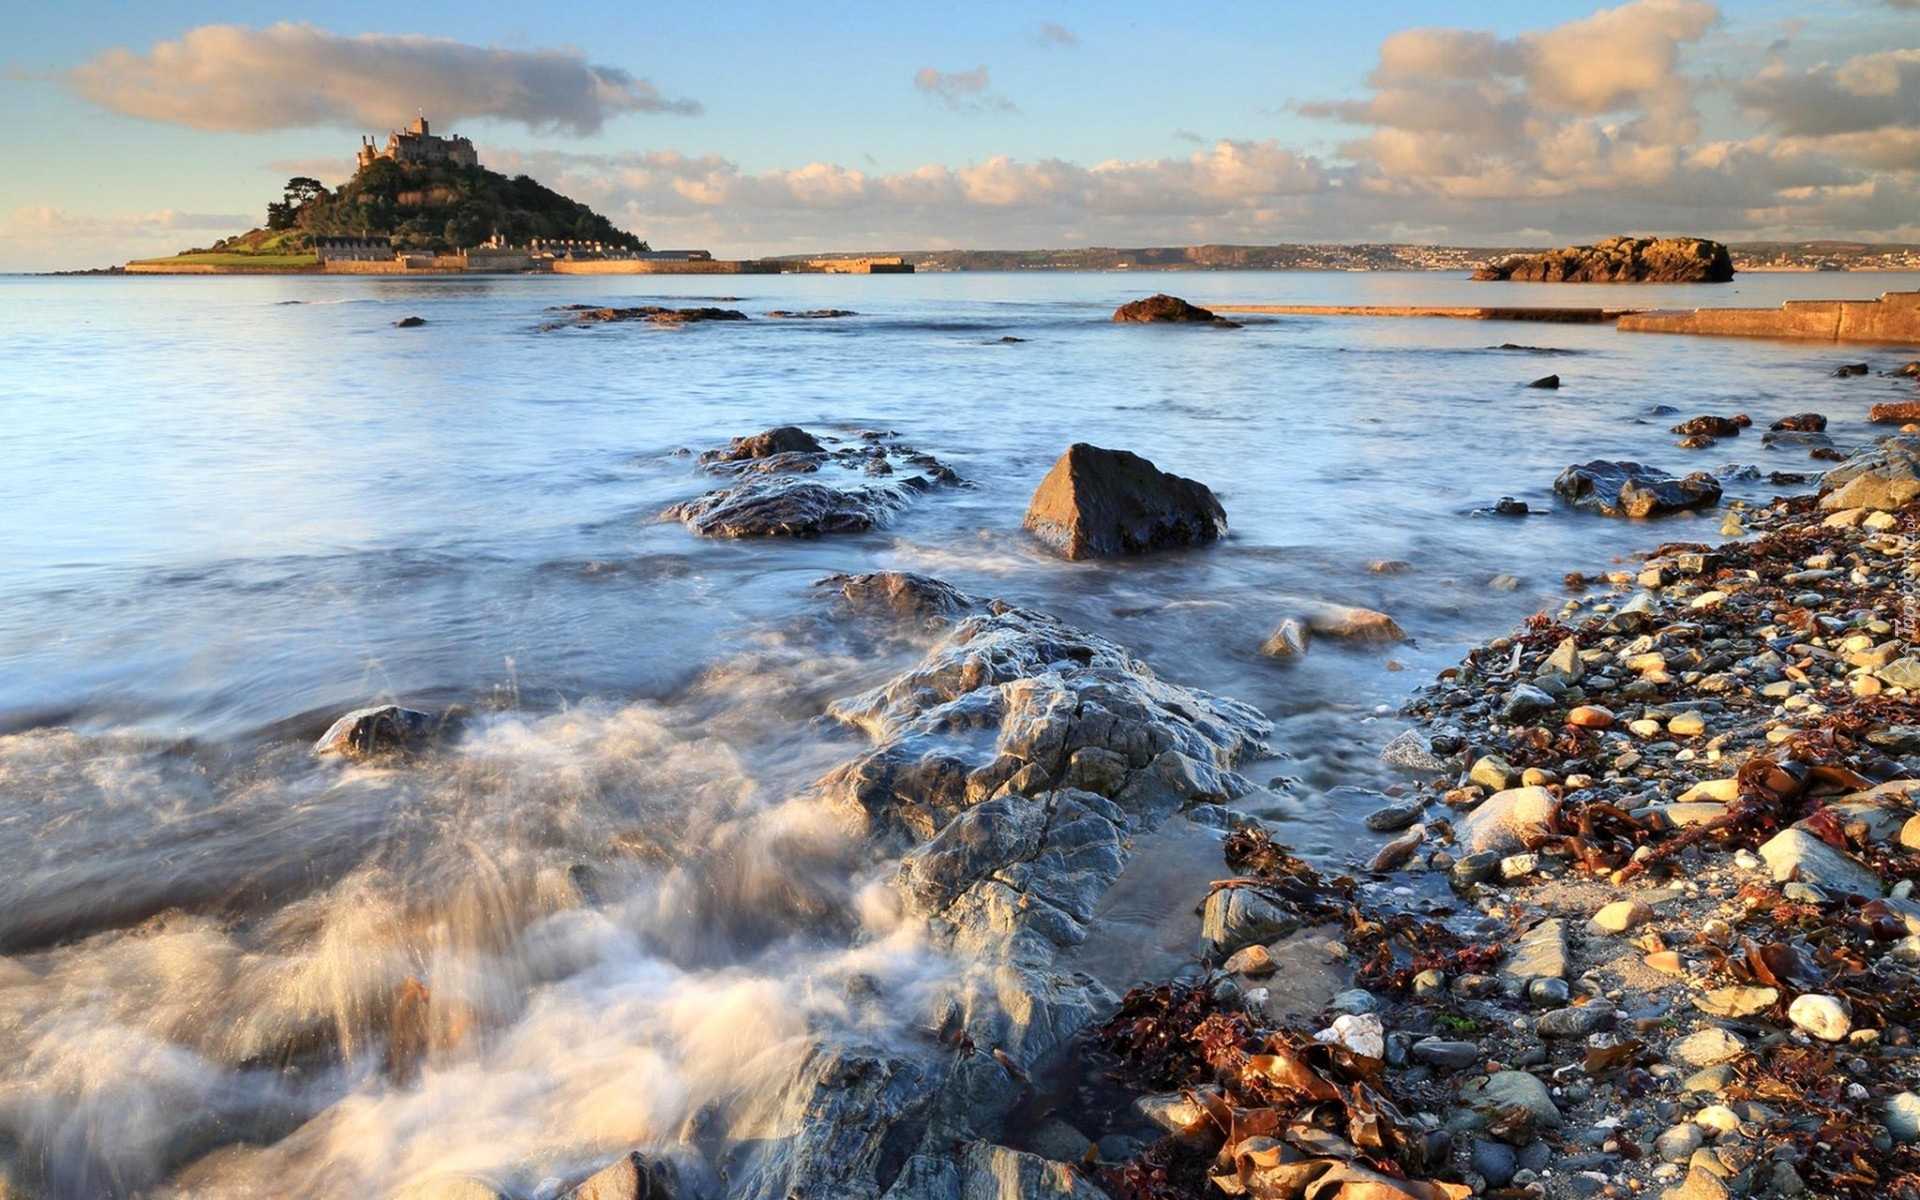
{"x": 1894, "y": 317}
{"x": 655, "y": 266}
{"x": 161, "y": 268}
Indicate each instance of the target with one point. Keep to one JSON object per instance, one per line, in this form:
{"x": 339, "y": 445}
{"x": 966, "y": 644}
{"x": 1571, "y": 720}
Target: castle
{"x": 416, "y": 144}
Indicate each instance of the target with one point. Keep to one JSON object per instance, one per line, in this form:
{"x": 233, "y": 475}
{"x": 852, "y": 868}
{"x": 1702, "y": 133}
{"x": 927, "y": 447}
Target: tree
{"x": 301, "y": 189}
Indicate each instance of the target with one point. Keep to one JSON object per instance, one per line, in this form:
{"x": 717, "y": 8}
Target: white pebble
{"x": 1821, "y": 1016}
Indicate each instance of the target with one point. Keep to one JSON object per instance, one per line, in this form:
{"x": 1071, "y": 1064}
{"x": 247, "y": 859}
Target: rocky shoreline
{"x": 1676, "y": 951}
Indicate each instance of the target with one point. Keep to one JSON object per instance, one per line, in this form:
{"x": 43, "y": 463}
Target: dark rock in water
{"x": 1507, "y": 506}
{"x": 1621, "y": 260}
{"x": 1715, "y": 426}
{"x": 1010, "y": 340}
{"x": 1697, "y": 441}
{"x": 1161, "y": 308}
{"x": 811, "y": 314}
{"x": 1098, "y": 503}
{"x": 782, "y": 439}
{"x": 368, "y": 731}
{"x": 1786, "y": 478}
{"x": 1908, "y": 371}
{"x": 779, "y": 507}
{"x": 1395, "y": 816}
{"x": 1788, "y": 439}
{"x": 901, "y": 593}
{"x": 1899, "y": 412}
{"x": 409, "y": 322}
{"x": 1546, "y": 381}
{"x": 1661, "y": 410}
{"x": 635, "y": 1177}
{"x": 1800, "y": 423}
{"x": 652, "y": 313}
{"x": 1627, "y": 489}
{"x": 1849, "y": 370}
{"x": 1828, "y": 454}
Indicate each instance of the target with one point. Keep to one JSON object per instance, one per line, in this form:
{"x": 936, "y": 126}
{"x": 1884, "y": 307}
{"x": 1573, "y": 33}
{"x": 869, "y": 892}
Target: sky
{"x": 147, "y": 126}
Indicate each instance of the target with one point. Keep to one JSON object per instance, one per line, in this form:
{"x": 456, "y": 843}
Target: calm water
{"x": 232, "y": 508}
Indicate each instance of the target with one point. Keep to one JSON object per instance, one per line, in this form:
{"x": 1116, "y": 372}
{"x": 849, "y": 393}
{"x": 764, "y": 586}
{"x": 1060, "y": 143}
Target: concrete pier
{"x": 1894, "y": 317}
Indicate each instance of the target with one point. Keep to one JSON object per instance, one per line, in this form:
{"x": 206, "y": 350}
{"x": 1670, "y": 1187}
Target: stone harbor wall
{"x": 1894, "y": 317}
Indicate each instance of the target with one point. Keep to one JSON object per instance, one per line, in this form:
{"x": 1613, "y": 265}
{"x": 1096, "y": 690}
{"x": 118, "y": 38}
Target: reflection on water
{"x": 608, "y": 913}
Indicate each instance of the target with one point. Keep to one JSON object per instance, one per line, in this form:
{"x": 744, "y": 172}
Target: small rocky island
{"x": 1621, "y": 260}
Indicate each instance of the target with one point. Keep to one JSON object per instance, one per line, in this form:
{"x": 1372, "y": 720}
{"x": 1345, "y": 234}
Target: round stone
{"x": 1822, "y": 1016}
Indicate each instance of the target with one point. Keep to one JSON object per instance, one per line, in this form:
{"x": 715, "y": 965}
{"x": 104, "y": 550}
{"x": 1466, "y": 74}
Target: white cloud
{"x": 286, "y": 76}
{"x": 962, "y": 91}
{"x": 43, "y": 238}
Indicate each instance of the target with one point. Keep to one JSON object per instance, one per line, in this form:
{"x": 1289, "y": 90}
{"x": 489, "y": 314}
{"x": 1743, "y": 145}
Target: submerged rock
{"x": 1621, "y": 260}
{"x": 782, "y": 439}
{"x": 1715, "y": 426}
{"x": 785, "y": 508}
{"x": 653, "y": 314}
{"x": 1161, "y": 308}
{"x": 1627, "y": 489}
{"x": 409, "y": 322}
{"x": 1898, "y": 412}
{"x": 1808, "y": 422}
{"x": 369, "y": 731}
{"x": 633, "y": 1177}
{"x": 1098, "y": 503}
{"x": 1546, "y": 381}
{"x": 902, "y": 593}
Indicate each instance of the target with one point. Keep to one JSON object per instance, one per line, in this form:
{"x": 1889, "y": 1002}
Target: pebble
{"x": 1493, "y": 1161}
{"x": 1492, "y": 772}
{"x": 1717, "y": 1118}
{"x": 1707, "y": 1048}
{"x": 1902, "y": 1117}
{"x": 1450, "y": 1056}
{"x": 1677, "y": 1145}
{"x": 1736, "y": 1001}
{"x": 1397, "y": 815}
{"x": 1687, "y": 725}
{"x": 1355, "y": 1001}
{"x": 1590, "y": 716}
{"x": 1575, "y": 1022}
{"x": 1254, "y": 961}
{"x": 1822, "y": 1016}
{"x": 1505, "y": 1088}
{"x": 1362, "y": 1033}
{"x": 1621, "y": 916}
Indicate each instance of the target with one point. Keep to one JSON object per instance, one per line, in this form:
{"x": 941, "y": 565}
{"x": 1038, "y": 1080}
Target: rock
{"x": 901, "y": 593}
{"x": 1797, "y": 854}
{"x": 654, "y": 314}
{"x": 368, "y": 731}
{"x": 1354, "y": 1001}
{"x": 1160, "y": 308}
{"x": 1474, "y": 868}
{"x": 1061, "y": 1142}
{"x": 1449, "y": 1056}
{"x": 782, "y": 439}
{"x": 1565, "y": 661}
{"x": 1509, "y": 821}
{"x": 990, "y": 1172}
{"x": 1255, "y": 962}
{"x": 1541, "y": 952}
{"x": 1850, "y": 369}
{"x": 1519, "y": 866}
{"x": 1706, "y": 1048}
{"x": 1687, "y": 724}
{"x": 1098, "y": 503}
{"x": 1800, "y": 423}
{"x": 1523, "y": 703}
{"x": 1901, "y": 673}
{"x": 409, "y": 322}
{"x": 1896, "y": 412}
{"x": 1822, "y": 1016}
{"x": 1491, "y": 772}
{"x": 1621, "y": 916}
{"x": 1289, "y": 640}
{"x": 1717, "y": 1118}
{"x": 1398, "y": 815}
{"x": 1234, "y": 918}
{"x": 1492, "y": 1161}
{"x": 1361, "y": 1033}
{"x": 1710, "y": 1081}
{"x": 1736, "y": 1002}
{"x": 1627, "y": 489}
{"x": 813, "y": 314}
{"x": 1171, "y": 1111}
{"x": 635, "y": 1177}
{"x": 779, "y": 507}
{"x": 1902, "y": 1116}
{"x": 1590, "y": 716}
{"x": 1355, "y": 625}
{"x": 1409, "y": 752}
{"x": 1677, "y": 1145}
{"x": 1718, "y": 427}
{"x": 1547, "y": 992}
{"x": 1576, "y": 1022}
{"x": 1621, "y": 260}
{"x": 1507, "y": 1089}
{"x": 1546, "y": 381}
{"x": 1700, "y": 1184}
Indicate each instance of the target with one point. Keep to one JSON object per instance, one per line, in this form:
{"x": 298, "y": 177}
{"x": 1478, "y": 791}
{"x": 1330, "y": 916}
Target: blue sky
{"x": 758, "y": 128}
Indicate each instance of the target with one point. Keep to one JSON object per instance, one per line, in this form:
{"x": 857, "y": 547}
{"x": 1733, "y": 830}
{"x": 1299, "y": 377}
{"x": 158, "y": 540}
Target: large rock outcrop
{"x": 1014, "y": 767}
{"x": 1098, "y": 503}
{"x": 1161, "y": 308}
{"x": 1885, "y": 475}
{"x": 1621, "y": 260}
{"x": 1627, "y": 489}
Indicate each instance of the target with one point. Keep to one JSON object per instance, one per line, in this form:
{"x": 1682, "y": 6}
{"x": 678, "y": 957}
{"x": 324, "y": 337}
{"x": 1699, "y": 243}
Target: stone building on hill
{"x": 418, "y": 144}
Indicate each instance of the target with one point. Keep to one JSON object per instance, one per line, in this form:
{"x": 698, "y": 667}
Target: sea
{"x": 232, "y": 509}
